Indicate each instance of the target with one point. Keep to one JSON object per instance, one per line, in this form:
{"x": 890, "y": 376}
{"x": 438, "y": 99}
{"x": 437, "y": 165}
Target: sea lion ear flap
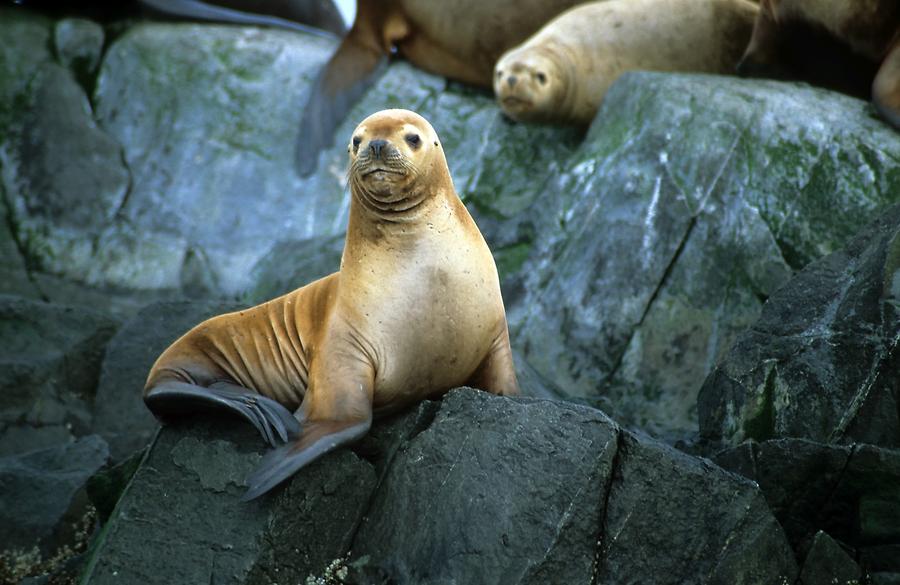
{"x": 352, "y": 69}
{"x": 886, "y": 87}
{"x": 761, "y": 53}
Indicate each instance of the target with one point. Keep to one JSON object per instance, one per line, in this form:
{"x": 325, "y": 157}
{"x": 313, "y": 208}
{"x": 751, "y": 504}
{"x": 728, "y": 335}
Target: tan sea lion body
{"x": 458, "y": 39}
{"x": 562, "y": 72}
{"x": 852, "y": 46}
{"x": 414, "y": 311}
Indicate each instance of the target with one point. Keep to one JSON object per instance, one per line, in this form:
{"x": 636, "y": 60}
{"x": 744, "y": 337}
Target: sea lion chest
{"x": 427, "y": 311}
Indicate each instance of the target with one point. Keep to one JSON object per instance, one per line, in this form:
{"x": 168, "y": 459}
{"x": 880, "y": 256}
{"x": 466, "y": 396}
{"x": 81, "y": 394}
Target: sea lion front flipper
{"x": 352, "y": 69}
{"x": 318, "y": 438}
{"x": 886, "y": 87}
{"x": 269, "y": 417}
{"x": 497, "y": 372}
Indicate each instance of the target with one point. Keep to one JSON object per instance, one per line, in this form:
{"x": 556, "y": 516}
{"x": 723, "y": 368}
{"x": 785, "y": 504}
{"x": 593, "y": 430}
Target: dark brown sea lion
{"x": 414, "y": 311}
{"x": 458, "y": 39}
{"x": 852, "y": 46}
{"x": 309, "y": 16}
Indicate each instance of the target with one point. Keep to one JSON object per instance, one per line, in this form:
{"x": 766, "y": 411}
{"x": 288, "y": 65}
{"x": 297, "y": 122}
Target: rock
{"x": 79, "y": 45}
{"x": 50, "y": 367}
{"x": 37, "y": 489}
{"x": 119, "y": 414}
{"x": 827, "y": 564}
{"x": 691, "y": 200}
{"x": 496, "y": 489}
{"x": 199, "y": 471}
{"x": 292, "y": 264}
{"x": 823, "y": 361}
{"x": 849, "y": 492}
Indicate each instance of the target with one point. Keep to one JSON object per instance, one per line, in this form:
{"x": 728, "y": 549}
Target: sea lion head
{"x": 529, "y": 84}
{"x": 396, "y": 162}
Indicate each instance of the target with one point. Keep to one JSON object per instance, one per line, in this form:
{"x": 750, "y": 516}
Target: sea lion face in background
{"x": 390, "y": 153}
{"x": 528, "y": 83}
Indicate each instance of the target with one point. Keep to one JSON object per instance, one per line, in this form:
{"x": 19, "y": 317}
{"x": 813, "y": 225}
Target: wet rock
{"x": 50, "y": 366}
{"x": 827, "y": 563}
{"x": 487, "y": 488}
{"x": 691, "y": 201}
{"x": 79, "y": 45}
{"x": 38, "y": 488}
{"x": 119, "y": 414}
{"x": 849, "y": 492}
{"x": 199, "y": 470}
{"x": 823, "y": 360}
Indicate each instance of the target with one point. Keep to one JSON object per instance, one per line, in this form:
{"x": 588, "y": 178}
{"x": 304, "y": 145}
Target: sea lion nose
{"x": 376, "y": 145}
{"x": 511, "y": 80}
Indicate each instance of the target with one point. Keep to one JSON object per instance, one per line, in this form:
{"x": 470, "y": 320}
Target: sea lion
{"x": 414, "y": 311}
{"x": 309, "y": 16}
{"x": 562, "y": 72}
{"x": 852, "y": 46}
{"x": 458, "y": 39}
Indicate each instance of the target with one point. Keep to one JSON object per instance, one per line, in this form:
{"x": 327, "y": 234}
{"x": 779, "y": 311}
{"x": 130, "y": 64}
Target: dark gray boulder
{"x": 119, "y": 413}
{"x": 828, "y": 564}
{"x": 38, "y": 489}
{"x": 823, "y": 360}
{"x": 850, "y": 492}
{"x": 49, "y": 369}
{"x": 486, "y": 489}
{"x": 691, "y": 201}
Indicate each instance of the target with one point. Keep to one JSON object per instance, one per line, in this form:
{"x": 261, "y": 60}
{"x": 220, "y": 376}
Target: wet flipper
{"x": 269, "y": 417}
{"x": 194, "y": 9}
{"x": 352, "y": 69}
{"x": 318, "y": 438}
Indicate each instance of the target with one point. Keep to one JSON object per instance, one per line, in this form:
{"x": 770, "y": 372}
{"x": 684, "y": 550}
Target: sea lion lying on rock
{"x": 562, "y": 72}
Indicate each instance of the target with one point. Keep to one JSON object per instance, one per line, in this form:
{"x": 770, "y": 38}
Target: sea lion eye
{"x": 413, "y": 140}
{"x": 356, "y": 141}
{"x": 499, "y": 74}
{"x": 542, "y": 79}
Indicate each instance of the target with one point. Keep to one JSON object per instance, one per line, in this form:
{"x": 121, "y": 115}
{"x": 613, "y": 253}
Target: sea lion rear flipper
{"x": 352, "y": 69}
{"x": 197, "y": 10}
{"x": 269, "y": 417}
{"x": 886, "y": 87}
{"x": 318, "y": 438}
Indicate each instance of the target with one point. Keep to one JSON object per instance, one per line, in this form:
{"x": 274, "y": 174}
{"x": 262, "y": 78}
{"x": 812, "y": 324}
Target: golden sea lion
{"x": 562, "y": 72}
{"x": 414, "y": 311}
{"x": 458, "y": 39}
{"x": 852, "y": 46}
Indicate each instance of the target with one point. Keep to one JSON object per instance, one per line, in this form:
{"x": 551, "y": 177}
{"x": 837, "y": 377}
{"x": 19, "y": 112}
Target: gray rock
{"x": 50, "y": 367}
{"x": 672, "y": 518}
{"x": 823, "y": 360}
{"x": 71, "y": 173}
{"x": 292, "y": 264}
{"x": 828, "y": 564}
{"x": 119, "y": 413}
{"x": 690, "y": 202}
{"x": 79, "y": 45}
{"x": 37, "y": 489}
{"x": 198, "y": 472}
{"x": 489, "y": 489}
{"x": 25, "y": 50}
{"x": 849, "y": 492}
